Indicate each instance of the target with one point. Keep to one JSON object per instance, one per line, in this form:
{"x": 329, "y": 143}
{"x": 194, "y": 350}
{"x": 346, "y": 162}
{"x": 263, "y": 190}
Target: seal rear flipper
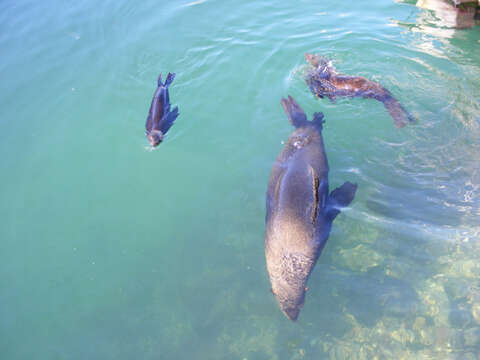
{"x": 399, "y": 115}
{"x": 338, "y": 198}
{"x": 168, "y": 80}
{"x": 166, "y": 95}
{"x": 168, "y": 120}
{"x": 294, "y": 112}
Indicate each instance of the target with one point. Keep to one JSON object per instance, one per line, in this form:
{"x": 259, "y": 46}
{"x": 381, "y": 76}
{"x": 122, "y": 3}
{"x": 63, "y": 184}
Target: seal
{"x": 160, "y": 118}
{"x": 324, "y": 80}
{"x": 299, "y": 209}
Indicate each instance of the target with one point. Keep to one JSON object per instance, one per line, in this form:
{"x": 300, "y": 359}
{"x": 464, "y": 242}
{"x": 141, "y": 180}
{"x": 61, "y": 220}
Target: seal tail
{"x": 399, "y": 115}
{"x": 168, "y": 80}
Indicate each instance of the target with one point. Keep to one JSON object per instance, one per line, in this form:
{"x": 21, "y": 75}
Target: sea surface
{"x": 109, "y": 250}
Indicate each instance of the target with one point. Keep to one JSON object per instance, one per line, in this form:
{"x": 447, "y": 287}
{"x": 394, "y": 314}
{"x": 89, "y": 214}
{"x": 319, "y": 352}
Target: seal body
{"x": 324, "y": 80}
{"x": 160, "y": 118}
{"x": 300, "y": 210}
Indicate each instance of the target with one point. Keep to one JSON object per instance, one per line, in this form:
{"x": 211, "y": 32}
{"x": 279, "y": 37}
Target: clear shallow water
{"x": 109, "y": 251}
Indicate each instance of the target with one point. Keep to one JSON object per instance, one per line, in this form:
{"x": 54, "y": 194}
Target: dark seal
{"x": 324, "y": 80}
{"x": 300, "y": 210}
{"x": 160, "y": 118}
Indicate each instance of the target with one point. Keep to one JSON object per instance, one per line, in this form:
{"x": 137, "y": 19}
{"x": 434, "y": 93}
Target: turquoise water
{"x": 111, "y": 251}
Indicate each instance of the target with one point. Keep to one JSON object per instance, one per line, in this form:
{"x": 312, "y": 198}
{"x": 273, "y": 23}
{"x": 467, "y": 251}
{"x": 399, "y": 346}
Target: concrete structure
{"x": 458, "y": 14}
{"x": 459, "y": 2}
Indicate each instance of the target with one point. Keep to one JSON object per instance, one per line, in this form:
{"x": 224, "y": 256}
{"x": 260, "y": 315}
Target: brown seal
{"x": 324, "y": 80}
{"x": 160, "y": 118}
{"x": 300, "y": 210}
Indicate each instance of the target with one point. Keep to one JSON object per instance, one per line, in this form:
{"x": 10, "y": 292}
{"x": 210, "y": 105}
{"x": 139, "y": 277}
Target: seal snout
{"x": 155, "y": 137}
{"x": 312, "y": 59}
{"x": 291, "y": 313}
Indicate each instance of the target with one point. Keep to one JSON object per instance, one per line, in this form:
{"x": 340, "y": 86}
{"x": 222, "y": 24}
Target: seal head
{"x": 322, "y": 66}
{"x": 155, "y": 137}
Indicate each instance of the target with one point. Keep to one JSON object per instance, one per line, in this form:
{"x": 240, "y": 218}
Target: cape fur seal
{"x": 324, "y": 80}
{"x": 160, "y": 118}
{"x": 300, "y": 211}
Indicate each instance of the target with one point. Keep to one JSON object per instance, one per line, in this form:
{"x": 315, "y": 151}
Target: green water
{"x": 110, "y": 251}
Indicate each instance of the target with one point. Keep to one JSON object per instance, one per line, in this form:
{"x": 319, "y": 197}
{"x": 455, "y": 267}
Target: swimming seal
{"x": 300, "y": 211}
{"x": 160, "y": 118}
{"x": 324, "y": 80}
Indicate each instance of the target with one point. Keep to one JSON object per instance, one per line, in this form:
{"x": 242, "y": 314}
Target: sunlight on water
{"x": 111, "y": 250}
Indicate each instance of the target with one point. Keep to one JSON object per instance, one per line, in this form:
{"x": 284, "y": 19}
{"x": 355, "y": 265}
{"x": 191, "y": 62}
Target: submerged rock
{"x": 471, "y": 337}
{"x": 460, "y": 315}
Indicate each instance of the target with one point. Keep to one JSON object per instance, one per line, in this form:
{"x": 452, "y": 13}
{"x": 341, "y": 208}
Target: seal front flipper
{"x": 338, "y": 198}
{"x": 168, "y": 120}
{"x": 318, "y": 120}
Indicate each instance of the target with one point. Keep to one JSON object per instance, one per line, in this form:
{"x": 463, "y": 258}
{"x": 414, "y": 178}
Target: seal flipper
{"x": 168, "y": 120}
{"x": 318, "y": 120}
{"x": 399, "y": 115}
{"x": 338, "y": 198}
{"x": 169, "y": 79}
{"x": 294, "y": 112}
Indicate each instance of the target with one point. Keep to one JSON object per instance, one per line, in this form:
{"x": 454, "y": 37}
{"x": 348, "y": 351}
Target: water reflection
{"x": 447, "y": 15}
